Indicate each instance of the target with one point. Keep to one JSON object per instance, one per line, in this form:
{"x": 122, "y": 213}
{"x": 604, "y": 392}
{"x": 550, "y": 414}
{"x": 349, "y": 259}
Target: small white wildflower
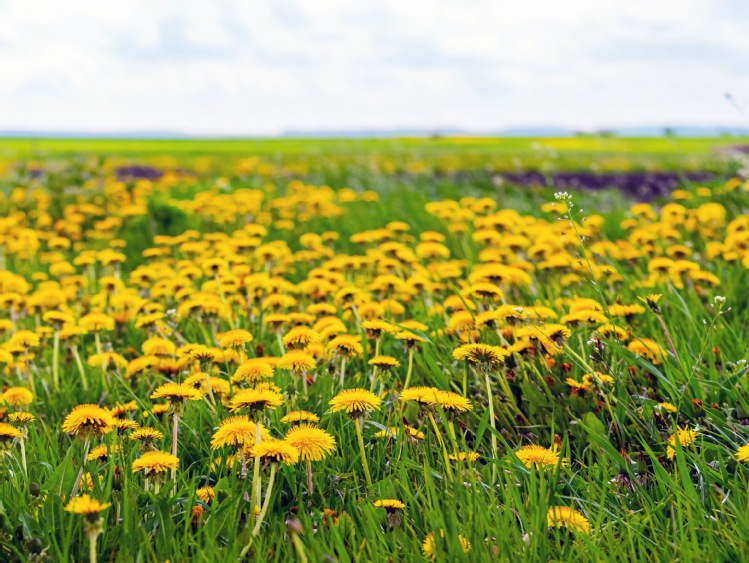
{"x": 719, "y": 300}
{"x": 741, "y": 362}
{"x": 518, "y": 309}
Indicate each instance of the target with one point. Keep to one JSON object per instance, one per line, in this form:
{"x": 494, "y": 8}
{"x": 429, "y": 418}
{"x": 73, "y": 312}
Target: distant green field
{"x": 337, "y": 160}
{"x": 704, "y": 147}
{"x": 605, "y": 145}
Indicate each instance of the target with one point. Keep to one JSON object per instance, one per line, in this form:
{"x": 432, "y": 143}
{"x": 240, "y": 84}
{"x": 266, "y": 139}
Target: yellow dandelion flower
{"x": 101, "y": 453}
{"x": 58, "y": 318}
{"x": 255, "y": 399}
{"x": 300, "y": 416}
{"x": 389, "y": 504}
{"x": 205, "y": 494}
{"x": 21, "y": 418}
{"x": 297, "y": 362}
{"x": 253, "y": 370}
{"x": 375, "y": 328}
{"x": 742, "y": 454}
{"x": 149, "y": 320}
{"x": 236, "y": 431}
{"x": 420, "y": 394}
{"x": 346, "y": 345}
{"x": 96, "y": 322}
{"x": 176, "y": 393}
{"x": 107, "y": 359}
{"x": 156, "y": 346}
{"x": 564, "y": 517}
{"x": 539, "y": 457}
{"x": 236, "y": 338}
{"x": 85, "y": 420}
{"x": 412, "y": 433}
{"x": 429, "y": 546}
{"x": 465, "y": 456}
{"x": 668, "y": 407}
{"x": 8, "y": 433}
{"x": 119, "y": 409}
{"x": 355, "y": 402}
{"x": 155, "y": 462}
{"x": 648, "y": 349}
{"x": 685, "y": 436}
{"x": 410, "y": 338}
{"x": 452, "y": 402}
{"x": 123, "y": 424}
{"x": 483, "y": 356}
{"x": 24, "y": 339}
{"x": 17, "y": 397}
{"x": 86, "y": 506}
{"x": 312, "y": 442}
{"x": 300, "y": 337}
{"x": 276, "y": 451}
{"x": 384, "y": 362}
{"x": 146, "y": 434}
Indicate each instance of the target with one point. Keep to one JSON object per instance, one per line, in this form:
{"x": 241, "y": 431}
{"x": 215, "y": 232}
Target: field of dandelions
{"x": 421, "y": 350}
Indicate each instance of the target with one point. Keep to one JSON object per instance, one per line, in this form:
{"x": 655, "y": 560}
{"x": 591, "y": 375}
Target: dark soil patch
{"x": 642, "y": 186}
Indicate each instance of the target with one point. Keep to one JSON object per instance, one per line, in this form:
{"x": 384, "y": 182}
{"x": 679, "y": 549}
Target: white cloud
{"x": 248, "y": 66}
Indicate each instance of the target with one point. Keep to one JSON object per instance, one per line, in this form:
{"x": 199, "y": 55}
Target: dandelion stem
{"x": 30, "y": 376}
{"x": 23, "y": 456}
{"x": 81, "y": 370}
{"x": 453, "y": 437}
{"x": 410, "y": 368}
{"x": 266, "y": 502}
{"x": 492, "y": 423}
{"x": 343, "y": 370}
{"x": 436, "y": 429}
{"x": 56, "y": 360}
{"x": 83, "y": 466}
{"x": 255, "y": 496}
{"x": 664, "y": 328}
{"x": 97, "y": 341}
{"x": 92, "y": 546}
{"x": 243, "y": 461}
{"x": 299, "y": 548}
{"x": 360, "y": 438}
{"x": 310, "y": 484}
{"x": 229, "y": 312}
{"x": 175, "y": 433}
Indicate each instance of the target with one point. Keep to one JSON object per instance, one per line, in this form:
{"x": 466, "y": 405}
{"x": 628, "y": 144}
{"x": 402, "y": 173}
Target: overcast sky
{"x": 262, "y": 67}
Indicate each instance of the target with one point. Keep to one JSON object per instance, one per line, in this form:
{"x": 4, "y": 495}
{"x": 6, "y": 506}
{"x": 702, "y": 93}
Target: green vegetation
{"x": 535, "y": 376}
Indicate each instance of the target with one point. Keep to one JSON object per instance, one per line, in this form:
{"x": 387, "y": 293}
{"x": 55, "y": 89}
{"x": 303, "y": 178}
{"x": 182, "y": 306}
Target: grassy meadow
{"x": 372, "y": 350}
